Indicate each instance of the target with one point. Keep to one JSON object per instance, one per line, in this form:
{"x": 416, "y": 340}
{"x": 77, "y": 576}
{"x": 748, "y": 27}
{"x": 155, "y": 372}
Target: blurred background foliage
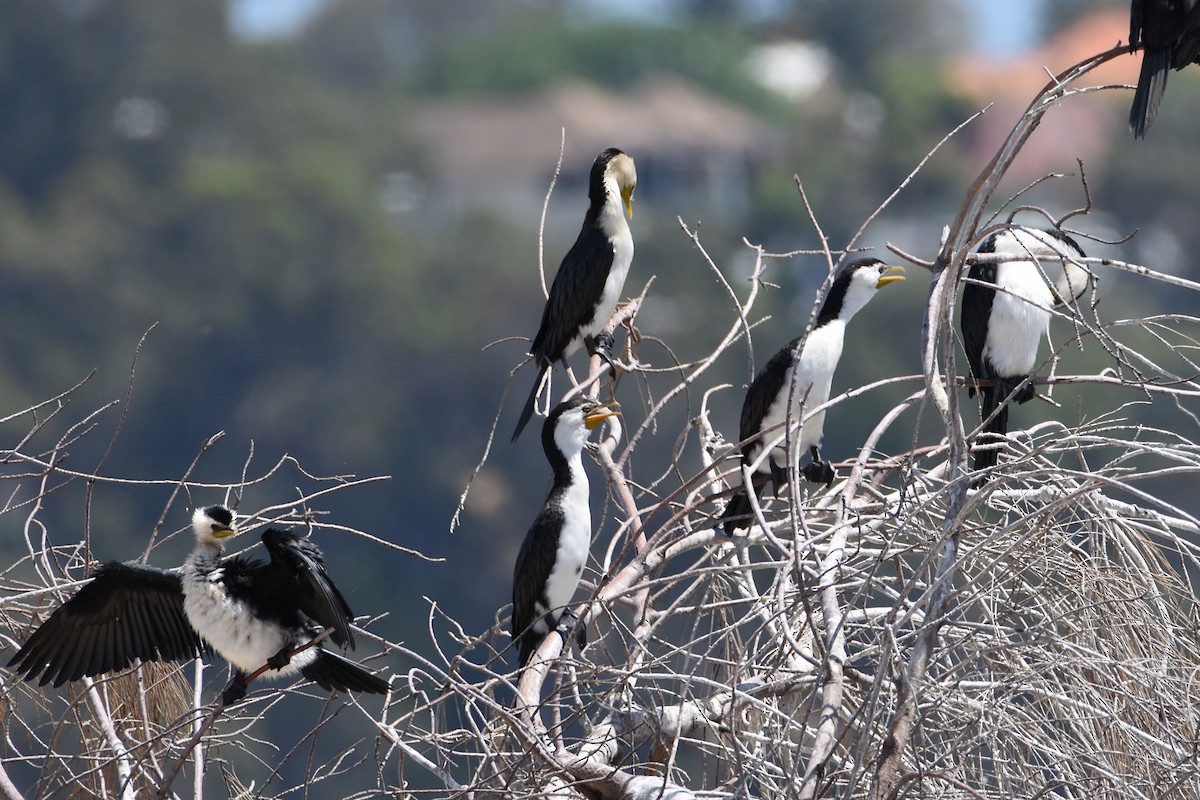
{"x": 270, "y": 206}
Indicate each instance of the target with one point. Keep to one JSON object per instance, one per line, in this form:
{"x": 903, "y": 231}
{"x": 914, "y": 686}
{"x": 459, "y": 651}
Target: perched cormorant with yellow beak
{"x": 252, "y": 613}
{"x": 804, "y": 376}
{"x": 556, "y": 547}
{"x": 591, "y": 277}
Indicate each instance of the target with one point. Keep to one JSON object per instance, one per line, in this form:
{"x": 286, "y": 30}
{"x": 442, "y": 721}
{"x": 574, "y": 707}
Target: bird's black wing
{"x": 297, "y": 572}
{"x": 574, "y": 294}
{"x": 1158, "y": 26}
{"x": 1187, "y": 49}
{"x": 126, "y": 612}
{"x": 534, "y": 563}
{"x": 576, "y": 290}
{"x": 974, "y": 317}
{"x": 1137, "y": 15}
{"x": 763, "y": 390}
{"x": 974, "y": 314}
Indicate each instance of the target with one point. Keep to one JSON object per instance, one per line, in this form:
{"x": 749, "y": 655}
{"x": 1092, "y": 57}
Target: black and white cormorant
{"x": 1169, "y": 33}
{"x": 556, "y": 547}
{"x": 765, "y": 409}
{"x": 252, "y": 613}
{"x": 591, "y": 277}
{"x": 1005, "y": 315}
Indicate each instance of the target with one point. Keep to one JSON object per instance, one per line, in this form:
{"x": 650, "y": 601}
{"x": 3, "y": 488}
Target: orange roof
{"x": 1081, "y": 127}
{"x": 1022, "y": 75}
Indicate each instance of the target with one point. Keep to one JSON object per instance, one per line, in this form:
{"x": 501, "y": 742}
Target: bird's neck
{"x": 608, "y": 212}
{"x": 204, "y": 560}
{"x": 826, "y": 333}
{"x": 852, "y": 303}
{"x": 568, "y": 471}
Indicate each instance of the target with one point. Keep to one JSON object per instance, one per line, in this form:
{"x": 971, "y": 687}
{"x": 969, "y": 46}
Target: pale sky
{"x": 1003, "y": 27}
{"x": 999, "y": 27}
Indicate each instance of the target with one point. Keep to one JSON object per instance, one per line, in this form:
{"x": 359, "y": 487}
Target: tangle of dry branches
{"x": 899, "y": 635}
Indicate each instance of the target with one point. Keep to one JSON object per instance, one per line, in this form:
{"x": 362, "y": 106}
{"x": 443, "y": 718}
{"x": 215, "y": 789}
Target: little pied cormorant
{"x": 1169, "y": 33}
{"x": 556, "y": 547}
{"x": 1006, "y": 313}
{"x": 591, "y": 277}
{"x": 252, "y": 613}
{"x": 765, "y": 409}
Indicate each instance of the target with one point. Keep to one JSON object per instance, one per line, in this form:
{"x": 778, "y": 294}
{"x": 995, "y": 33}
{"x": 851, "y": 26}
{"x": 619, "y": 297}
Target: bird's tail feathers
{"x": 738, "y": 513}
{"x": 1152, "y": 82}
{"x": 528, "y": 643}
{"x": 993, "y": 431}
{"x": 527, "y": 411}
{"x": 334, "y": 673}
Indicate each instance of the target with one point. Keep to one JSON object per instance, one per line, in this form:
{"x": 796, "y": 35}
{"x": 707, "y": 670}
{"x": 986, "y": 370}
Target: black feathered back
{"x": 574, "y": 292}
{"x": 976, "y": 306}
{"x": 1169, "y": 33}
{"x": 530, "y": 573}
{"x": 292, "y": 586}
{"x": 836, "y": 298}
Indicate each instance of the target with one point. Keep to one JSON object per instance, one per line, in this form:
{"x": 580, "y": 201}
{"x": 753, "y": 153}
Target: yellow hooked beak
{"x": 600, "y": 413}
{"x": 627, "y": 198}
{"x": 222, "y": 532}
{"x": 890, "y": 275}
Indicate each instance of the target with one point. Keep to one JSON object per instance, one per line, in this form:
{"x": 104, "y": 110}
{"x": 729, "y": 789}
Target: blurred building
{"x": 692, "y": 148}
{"x": 1083, "y": 130}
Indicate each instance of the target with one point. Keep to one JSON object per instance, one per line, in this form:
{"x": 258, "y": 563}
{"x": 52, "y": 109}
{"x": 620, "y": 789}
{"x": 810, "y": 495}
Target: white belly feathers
{"x": 231, "y": 629}
{"x": 1020, "y": 318}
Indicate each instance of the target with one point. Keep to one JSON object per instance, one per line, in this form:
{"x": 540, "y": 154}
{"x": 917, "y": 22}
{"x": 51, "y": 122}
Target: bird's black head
{"x": 854, "y": 285}
{"x": 1039, "y": 242}
{"x": 567, "y": 427}
{"x": 602, "y": 161}
{"x": 1046, "y": 246}
{"x": 613, "y": 170}
{"x": 212, "y": 524}
{"x": 221, "y": 514}
{"x": 846, "y": 273}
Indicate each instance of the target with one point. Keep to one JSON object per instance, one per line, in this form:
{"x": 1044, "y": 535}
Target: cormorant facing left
{"x": 590, "y": 278}
{"x": 556, "y": 547}
{"x": 252, "y": 613}
{"x": 1169, "y": 32}
{"x": 1005, "y": 315}
{"x": 766, "y": 407}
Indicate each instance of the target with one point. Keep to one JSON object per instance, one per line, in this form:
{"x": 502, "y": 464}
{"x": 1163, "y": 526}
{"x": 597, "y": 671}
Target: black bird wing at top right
{"x": 974, "y": 314}
{"x": 298, "y": 564}
{"x": 1152, "y": 22}
{"x": 1188, "y": 49}
{"x": 576, "y": 290}
{"x": 127, "y": 612}
{"x": 1169, "y": 33}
